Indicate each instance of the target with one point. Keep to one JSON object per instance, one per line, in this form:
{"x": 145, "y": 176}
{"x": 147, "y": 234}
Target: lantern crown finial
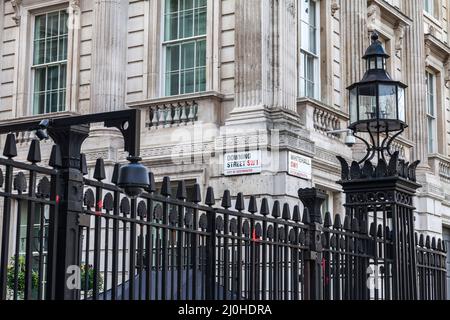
{"x": 376, "y": 48}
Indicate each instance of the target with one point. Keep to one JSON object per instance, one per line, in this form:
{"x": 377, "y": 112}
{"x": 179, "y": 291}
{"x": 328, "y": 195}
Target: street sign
{"x": 299, "y": 166}
{"x": 239, "y": 163}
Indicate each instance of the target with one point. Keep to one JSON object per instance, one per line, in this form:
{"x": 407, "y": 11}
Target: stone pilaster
{"x": 415, "y": 78}
{"x": 109, "y": 55}
{"x": 354, "y": 42}
{"x": 355, "y": 39}
{"x": 266, "y": 53}
{"x": 248, "y": 66}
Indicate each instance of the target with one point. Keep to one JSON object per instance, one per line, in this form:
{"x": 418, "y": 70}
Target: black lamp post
{"x": 377, "y": 103}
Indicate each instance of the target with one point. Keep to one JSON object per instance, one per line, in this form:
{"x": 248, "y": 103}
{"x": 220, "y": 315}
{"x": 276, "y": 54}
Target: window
{"x": 50, "y": 62}
{"x": 431, "y": 111}
{"x": 185, "y": 46}
{"x": 309, "y": 49}
{"x": 430, "y": 7}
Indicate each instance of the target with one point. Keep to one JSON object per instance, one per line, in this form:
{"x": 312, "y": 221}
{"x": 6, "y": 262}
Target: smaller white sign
{"x": 299, "y": 166}
{"x": 240, "y": 163}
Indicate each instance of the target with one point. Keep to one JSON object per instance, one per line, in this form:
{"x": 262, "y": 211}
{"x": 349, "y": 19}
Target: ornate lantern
{"x": 377, "y": 103}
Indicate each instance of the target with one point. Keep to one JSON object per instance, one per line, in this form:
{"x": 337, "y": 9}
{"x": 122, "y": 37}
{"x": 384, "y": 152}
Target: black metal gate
{"x": 164, "y": 246}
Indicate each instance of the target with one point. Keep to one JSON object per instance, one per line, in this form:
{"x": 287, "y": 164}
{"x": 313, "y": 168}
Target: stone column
{"x": 414, "y": 54}
{"x": 355, "y": 40}
{"x": 109, "y": 55}
{"x": 266, "y": 54}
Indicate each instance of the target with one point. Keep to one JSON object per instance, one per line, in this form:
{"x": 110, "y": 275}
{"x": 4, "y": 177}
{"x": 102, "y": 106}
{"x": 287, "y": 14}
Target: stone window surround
{"x": 439, "y": 108}
{"x": 435, "y": 63}
{"x": 22, "y": 104}
{"x": 317, "y": 60}
{"x": 435, "y": 76}
{"x": 153, "y": 45}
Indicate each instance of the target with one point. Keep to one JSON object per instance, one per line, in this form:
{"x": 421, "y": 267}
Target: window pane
{"x": 172, "y": 83}
{"x": 52, "y": 102}
{"x": 52, "y": 78}
{"x": 188, "y": 55}
{"x": 171, "y": 27}
{"x": 62, "y": 100}
{"x": 171, "y": 5}
{"x": 38, "y": 103}
{"x": 39, "y": 80}
{"x": 305, "y": 41}
{"x": 201, "y": 3}
{"x": 51, "y": 54}
{"x": 173, "y": 58}
{"x": 431, "y": 135}
{"x": 62, "y": 76}
{"x": 201, "y": 79}
{"x": 188, "y": 81}
{"x": 52, "y": 24}
{"x": 201, "y": 53}
{"x": 200, "y": 22}
{"x": 187, "y": 4}
{"x": 39, "y": 52}
{"x": 62, "y": 49}
{"x": 39, "y": 28}
{"x": 64, "y": 17}
{"x": 187, "y": 24}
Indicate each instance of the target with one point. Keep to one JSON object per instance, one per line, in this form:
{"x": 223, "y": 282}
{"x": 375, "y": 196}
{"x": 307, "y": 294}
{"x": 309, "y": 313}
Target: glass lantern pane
{"x": 353, "y": 105}
{"x": 401, "y": 104}
{"x": 372, "y": 63}
{"x": 367, "y": 102}
{"x": 380, "y": 63}
{"x": 388, "y": 103}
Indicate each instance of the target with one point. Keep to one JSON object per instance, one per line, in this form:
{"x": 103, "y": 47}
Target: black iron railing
{"x": 162, "y": 245}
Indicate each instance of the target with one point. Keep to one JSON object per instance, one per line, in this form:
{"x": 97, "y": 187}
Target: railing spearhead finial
{"x": 286, "y": 215}
{"x": 240, "y": 205}
{"x": 99, "y": 171}
{"x": 181, "y": 190}
{"x": 226, "y": 199}
{"x": 252, "y": 206}
{"x": 34, "y": 154}
{"x": 10, "y": 149}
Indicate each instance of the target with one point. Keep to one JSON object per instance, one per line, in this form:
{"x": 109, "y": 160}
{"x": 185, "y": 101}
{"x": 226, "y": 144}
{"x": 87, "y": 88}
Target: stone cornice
{"x": 391, "y": 14}
{"x": 437, "y": 47}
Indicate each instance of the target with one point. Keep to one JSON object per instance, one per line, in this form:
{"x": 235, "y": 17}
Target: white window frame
{"x": 165, "y": 44}
{"x": 431, "y": 117}
{"x": 24, "y": 80}
{"x": 301, "y": 67}
{"x": 46, "y": 65}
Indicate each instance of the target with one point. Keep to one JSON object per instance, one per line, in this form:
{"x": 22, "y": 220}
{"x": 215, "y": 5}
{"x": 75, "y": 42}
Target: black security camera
{"x": 41, "y": 132}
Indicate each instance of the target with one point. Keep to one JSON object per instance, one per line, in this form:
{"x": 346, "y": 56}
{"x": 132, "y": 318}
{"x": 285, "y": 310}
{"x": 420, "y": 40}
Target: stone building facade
{"x": 216, "y": 78}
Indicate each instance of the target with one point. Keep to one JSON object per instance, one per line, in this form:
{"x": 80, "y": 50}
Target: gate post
{"x": 69, "y": 139}
{"x": 312, "y": 200}
{"x": 382, "y": 195}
